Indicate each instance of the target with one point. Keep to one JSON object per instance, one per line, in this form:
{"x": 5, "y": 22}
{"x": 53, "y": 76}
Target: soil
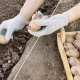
{"x": 11, "y": 52}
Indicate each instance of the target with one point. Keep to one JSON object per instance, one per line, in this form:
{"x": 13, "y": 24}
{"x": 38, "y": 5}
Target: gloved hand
{"x": 52, "y": 24}
{"x": 11, "y": 25}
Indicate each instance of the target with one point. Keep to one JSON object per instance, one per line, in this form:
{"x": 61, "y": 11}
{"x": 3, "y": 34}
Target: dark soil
{"x": 11, "y": 53}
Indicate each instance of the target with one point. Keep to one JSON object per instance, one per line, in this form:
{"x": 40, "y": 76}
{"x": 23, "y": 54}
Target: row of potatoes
{"x": 72, "y": 49}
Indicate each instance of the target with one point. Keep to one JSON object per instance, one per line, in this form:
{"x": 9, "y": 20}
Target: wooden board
{"x": 64, "y": 57}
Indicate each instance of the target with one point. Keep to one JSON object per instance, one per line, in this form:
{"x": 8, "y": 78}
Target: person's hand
{"x": 52, "y": 24}
{"x": 11, "y": 25}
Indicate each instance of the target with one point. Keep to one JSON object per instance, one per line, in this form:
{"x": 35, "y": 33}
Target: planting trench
{"x": 44, "y": 63}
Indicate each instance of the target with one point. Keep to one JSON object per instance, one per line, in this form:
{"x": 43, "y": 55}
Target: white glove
{"x": 52, "y": 24}
{"x": 11, "y": 25}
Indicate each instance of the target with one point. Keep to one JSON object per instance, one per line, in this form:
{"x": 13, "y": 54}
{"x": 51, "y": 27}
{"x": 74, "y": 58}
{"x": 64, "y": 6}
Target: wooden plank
{"x": 64, "y": 57}
{"x": 63, "y": 35}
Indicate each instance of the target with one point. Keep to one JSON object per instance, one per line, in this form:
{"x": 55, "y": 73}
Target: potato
{"x": 78, "y": 36}
{"x": 38, "y": 15}
{"x": 73, "y": 61}
{"x": 69, "y": 39}
{"x": 76, "y": 77}
{"x": 75, "y": 70}
{"x": 33, "y": 26}
{"x": 68, "y": 46}
{"x": 77, "y": 44}
{"x": 71, "y": 51}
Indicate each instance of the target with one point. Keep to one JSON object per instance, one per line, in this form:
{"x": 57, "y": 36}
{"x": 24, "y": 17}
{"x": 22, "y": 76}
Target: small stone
{"x": 9, "y": 61}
